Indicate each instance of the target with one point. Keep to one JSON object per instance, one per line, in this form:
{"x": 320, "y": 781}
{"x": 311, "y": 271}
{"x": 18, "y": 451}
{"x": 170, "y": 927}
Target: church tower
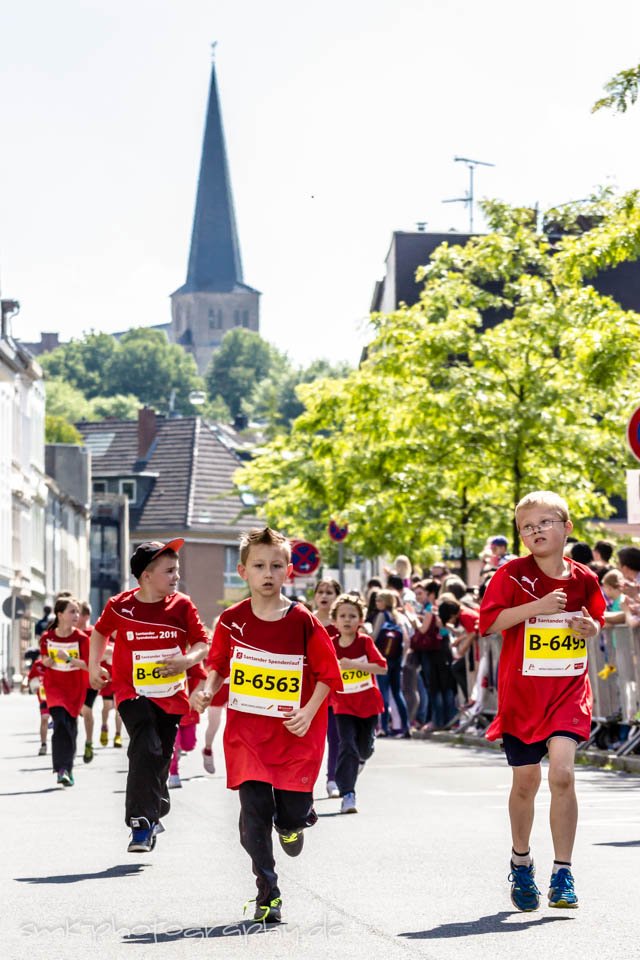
{"x": 214, "y": 298}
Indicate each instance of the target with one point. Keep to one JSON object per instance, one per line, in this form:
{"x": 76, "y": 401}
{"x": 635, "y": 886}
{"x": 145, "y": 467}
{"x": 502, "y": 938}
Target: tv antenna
{"x": 469, "y": 196}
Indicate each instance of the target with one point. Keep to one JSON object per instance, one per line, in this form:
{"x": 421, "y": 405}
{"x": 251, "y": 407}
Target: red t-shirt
{"x": 469, "y": 619}
{"x": 63, "y": 687}
{"x": 37, "y": 671}
{"x": 170, "y": 625}
{"x": 259, "y": 746}
{"x": 361, "y": 703}
{"x": 533, "y": 707}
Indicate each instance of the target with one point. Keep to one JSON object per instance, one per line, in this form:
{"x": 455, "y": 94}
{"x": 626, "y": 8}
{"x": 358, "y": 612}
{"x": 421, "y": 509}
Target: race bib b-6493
{"x": 551, "y": 649}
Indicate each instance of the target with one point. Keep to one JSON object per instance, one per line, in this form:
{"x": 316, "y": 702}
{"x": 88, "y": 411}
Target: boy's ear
{"x": 289, "y": 569}
{"x": 242, "y": 571}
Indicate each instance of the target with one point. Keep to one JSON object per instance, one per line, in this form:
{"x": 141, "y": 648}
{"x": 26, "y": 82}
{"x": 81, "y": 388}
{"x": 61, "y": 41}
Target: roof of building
{"x": 188, "y": 468}
{"x": 214, "y": 258}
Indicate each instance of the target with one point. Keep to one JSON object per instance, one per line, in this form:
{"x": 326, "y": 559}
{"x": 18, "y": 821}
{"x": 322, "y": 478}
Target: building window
{"x": 231, "y": 576}
{"x": 245, "y": 318}
{"x": 128, "y": 487}
{"x": 236, "y": 318}
{"x": 99, "y": 486}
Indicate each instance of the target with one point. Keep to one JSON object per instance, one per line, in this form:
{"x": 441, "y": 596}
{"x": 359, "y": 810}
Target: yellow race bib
{"x": 551, "y": 649}
{"x": 146, "y": 674}
{"x": 264, "y": 683}
{"x": 354, "y": 680}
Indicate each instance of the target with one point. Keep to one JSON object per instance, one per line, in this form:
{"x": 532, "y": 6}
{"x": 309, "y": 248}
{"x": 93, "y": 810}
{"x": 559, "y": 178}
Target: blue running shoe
{"x": 143, "y": 835}
{"x": 524, "y": 892}
{"x": 561, "y": 891}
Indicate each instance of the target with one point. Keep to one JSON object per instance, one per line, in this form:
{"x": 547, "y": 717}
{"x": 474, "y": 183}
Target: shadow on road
{"x": 244, "y": 928}
{"x": 336, "y": 813}
{"x": 28, "y": 793}
{"x": 619, "y": 843}
{"x": 121, "y": 870}
{"x": 492, "y": 923}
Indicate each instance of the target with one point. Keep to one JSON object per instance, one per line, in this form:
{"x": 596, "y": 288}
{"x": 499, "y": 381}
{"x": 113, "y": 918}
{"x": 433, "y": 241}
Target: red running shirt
{"x": 66, "y": 688}
{"x": 259, "y": 747}
{"x": 170, "y": 624}
{"x": 362, "y": 703}
{"x": 531, "y": 708}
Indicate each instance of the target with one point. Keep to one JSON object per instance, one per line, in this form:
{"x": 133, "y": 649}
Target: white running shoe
{"x": 332, "y": 789}
{"x": 207, "y": 761}
{"x": 349, "y": 803}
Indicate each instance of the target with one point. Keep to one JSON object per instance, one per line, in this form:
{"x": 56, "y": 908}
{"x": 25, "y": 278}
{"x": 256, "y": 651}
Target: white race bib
{"x": 146, "y": 673}
{"x": 354, "y": 680}
{"x": 57, "y": 650}
{"x": 551, "y": 649}
{"x": 269, "y": 684}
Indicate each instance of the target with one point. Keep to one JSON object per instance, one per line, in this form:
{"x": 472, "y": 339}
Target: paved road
{"x": 420, "y": 871}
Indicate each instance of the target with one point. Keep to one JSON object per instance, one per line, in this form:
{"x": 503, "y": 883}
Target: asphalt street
{"x": 420, "y": 871}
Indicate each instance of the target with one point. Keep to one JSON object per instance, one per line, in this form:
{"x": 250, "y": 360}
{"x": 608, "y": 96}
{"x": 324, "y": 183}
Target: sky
{"x": 342, "y": 119}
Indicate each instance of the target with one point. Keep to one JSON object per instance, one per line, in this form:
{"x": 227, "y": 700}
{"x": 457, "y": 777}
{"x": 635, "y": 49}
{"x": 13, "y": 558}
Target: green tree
{"x": 160, "y": 374}
{"x": 85, "y": 364}
{"x": 58, "y": 430}
{"x": 66, "y": 401}
{"x": 450, "y": 420}
{"x": 121, "y": 406}
{"x": 275, "y": 399}
{"x": 621, "y": 90}
{"x": 241, "y": 362}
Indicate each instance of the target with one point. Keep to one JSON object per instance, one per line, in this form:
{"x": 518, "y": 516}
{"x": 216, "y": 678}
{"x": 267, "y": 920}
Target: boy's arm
{"x": 365, "y": 666}
{"x": 300, "y": 720}
{"x": 508, "y": 617}
{"x": 98, "y": 676}
{"x": 206, "y": 691}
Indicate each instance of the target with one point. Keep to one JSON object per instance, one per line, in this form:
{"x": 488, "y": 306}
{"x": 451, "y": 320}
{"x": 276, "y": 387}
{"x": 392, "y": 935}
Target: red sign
{"x": 633, "y": 433}
{"x": 305, "y": 558}
{"x": 336, "y": 532}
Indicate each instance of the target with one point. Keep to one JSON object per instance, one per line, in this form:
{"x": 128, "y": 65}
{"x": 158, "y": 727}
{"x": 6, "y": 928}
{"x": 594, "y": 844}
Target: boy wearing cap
{"x": 158, "y": 636}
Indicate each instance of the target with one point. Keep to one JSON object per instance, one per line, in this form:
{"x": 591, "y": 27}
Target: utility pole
{"x": 468, "y": 199}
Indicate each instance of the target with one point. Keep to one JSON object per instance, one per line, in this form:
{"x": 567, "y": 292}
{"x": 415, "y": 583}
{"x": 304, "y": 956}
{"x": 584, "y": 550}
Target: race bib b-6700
{"x": 355, "y": 680}
{"x": 268, "y": 684}
{"x": 551, "y": 649}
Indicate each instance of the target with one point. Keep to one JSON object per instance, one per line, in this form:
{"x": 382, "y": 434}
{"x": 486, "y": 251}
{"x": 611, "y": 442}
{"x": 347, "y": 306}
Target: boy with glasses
{"x": 546, "y": 606}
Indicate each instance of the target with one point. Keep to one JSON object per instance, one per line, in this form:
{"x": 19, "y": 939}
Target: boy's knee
{"x": 526, "y": 781}
{"x": 561, "y": 778}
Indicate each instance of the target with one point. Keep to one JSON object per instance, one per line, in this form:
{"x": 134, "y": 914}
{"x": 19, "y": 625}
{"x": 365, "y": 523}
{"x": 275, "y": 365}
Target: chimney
{"x": 147, "y": 429}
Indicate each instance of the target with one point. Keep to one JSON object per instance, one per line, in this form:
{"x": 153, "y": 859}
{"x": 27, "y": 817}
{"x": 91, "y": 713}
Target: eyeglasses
{"x": 530, "y": 528}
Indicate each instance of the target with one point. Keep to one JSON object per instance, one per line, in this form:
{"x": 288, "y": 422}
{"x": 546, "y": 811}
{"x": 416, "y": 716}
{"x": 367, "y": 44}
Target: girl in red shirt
{"x": 65, "y": 655}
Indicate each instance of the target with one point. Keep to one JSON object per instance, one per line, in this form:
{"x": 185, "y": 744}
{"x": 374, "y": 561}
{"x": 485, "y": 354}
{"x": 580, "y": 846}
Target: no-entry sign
{"x": 633, "y": 433}
{"x": 305, "y": 557}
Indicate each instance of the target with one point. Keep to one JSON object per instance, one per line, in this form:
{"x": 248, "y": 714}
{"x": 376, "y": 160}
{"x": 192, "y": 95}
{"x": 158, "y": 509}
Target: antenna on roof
{"x": 469, "y": 196}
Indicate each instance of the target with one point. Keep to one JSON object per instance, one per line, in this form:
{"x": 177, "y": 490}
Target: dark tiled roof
{"x": 190, "y": 471}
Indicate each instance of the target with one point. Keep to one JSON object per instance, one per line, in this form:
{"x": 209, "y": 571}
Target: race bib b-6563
{"x": 551, "y": 649}
{"x": 265, "y": 683}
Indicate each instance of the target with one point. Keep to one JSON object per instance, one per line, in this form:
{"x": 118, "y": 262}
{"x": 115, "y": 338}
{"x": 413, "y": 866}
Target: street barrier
{"x": 482, "y": 683}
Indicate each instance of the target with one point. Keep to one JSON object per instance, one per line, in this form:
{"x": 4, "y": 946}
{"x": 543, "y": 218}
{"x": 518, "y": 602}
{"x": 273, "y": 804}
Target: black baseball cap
{"x": 147, "y": 552}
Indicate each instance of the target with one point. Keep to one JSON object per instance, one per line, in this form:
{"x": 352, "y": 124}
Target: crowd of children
{"x": 303, "y": 678}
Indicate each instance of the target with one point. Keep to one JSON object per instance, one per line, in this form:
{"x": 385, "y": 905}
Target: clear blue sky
{"x": 342, "y": 120}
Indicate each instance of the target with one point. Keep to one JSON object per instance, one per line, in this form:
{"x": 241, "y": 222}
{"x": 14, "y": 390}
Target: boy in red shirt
{"x": 158, "y": 637}
{"x": 546, "y": 607}
{"x": 358, "y": 705}
{"x": 281, "y": 667}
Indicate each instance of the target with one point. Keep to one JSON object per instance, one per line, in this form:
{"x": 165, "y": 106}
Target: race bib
{"x": 354, "y": 680}
{"x": 59, "y": 651}
{"x": 147, "y": 679}
{"x": 551, "y": 649}
{"x": 269, "y": 684}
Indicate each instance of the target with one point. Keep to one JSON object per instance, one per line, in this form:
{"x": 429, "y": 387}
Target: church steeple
{"x": 214, "y": 298}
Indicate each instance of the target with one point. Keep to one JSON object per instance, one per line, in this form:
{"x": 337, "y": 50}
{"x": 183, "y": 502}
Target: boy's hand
{"x": 200, "y": 700}
{"x": 347, "y": 664}
{"x": 554, "y": 602}
{"x": 584, "y": 626}
{"x": 98, "y": 678}
{"x": 173, "y": 665}
{"x": 298, "y": 722}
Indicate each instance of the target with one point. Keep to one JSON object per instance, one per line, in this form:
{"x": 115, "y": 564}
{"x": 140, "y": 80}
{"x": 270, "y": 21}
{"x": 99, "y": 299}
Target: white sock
{"x": 559, "y": 865}
{"x": 521, "y": 859}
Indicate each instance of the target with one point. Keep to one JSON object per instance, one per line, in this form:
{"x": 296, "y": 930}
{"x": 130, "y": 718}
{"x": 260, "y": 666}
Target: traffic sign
{"x": 305, "y": 557}
{"x": 8, "y": 607}
{"x": 337, "y": 532}
{"x": 633, "y": 433}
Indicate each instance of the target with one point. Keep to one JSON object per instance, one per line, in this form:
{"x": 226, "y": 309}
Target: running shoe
{"x": 88, "y": 752}
{"x": 143, "y": 835}
{"x": 332, "y": 789}
{"x": 349, "y": 803}
{"x": 291, "y": 842}
{"x": 207, "y": 761}
{"x": 104, "y": 736}
{"x": 524, "y": 892}
{"x": 561, "y": 891}
{"x": 270, "y": 912}
{"x": 174, "y": 781}
{"x": 65, "y": 778}
{"x": 117, "y": 740}
{"x": 43, "y": 750}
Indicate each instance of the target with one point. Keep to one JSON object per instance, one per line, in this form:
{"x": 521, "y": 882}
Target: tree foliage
{"x": 621, "y": 90}
{"x": 58, "y": 430}
{"x": 142, "y": 364}
{"x": 511, "y": 373}
{"x": 241, "y": 362}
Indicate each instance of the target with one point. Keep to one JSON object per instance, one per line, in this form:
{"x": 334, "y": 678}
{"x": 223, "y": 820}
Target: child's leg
{"x": 333, "y": 744}
{"x": 44, "y": 724}
{"x": 294, "y": 811}
{"x": 87, "y": 716}
{"x": 213, "y": 725}
{"x": 152, "y": 734}
{"x": 63, "y": 741}
{"x": 188, "y": 736}
{"x": 257, "y": 809}
{"x": 525, "y": 783}
{"x": 348, "y": 753}
{"x": 563, "y": 815}
{"x": 106, "y": 707}
{"x": 175, "y": 757}
{"x": 366, "y": 739}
